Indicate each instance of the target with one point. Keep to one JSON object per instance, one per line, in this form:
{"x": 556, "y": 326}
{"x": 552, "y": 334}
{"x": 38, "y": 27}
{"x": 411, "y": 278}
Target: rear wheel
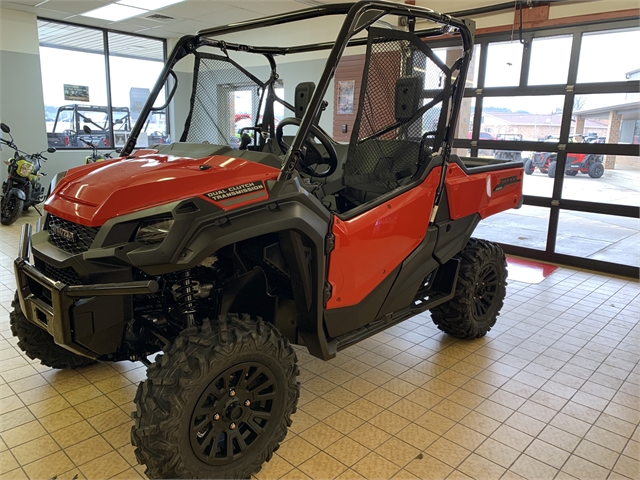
{"x": 552, "y": 170}
{"x": 528, "y": 167}
{"x": 479, "y": 294}
{"x": 218, "y": 403}
{"x": 39, "y": 345}
{"x": 596, "y": 170}
{"x": 571, "y": 173}
{"x": 11, "y": 209}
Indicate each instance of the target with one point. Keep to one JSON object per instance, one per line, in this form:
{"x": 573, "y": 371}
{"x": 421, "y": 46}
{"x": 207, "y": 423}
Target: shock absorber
{"x": 185, "y": 297}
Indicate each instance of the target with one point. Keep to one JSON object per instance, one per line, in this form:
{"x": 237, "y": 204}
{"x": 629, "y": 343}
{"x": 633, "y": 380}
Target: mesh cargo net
{"x": 214, "y": 116}
{"x": 402, "y": 114}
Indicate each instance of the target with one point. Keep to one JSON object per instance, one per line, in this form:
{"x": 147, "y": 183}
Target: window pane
{"x": 135, "y": 64}
{"x": 609, "y": 56}
{"x": 73, "y": 56}
{"x": 524, "y": 227}
{"x": 600, "y": 237}
{"x": 450, "y": 54}
{"x": 548, "y": 51}
{"x": 504, "y": 62}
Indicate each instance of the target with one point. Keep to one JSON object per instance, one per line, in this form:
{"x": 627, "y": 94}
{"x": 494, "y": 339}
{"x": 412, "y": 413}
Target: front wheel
{"x": 479, "y": 294}
{"x": 39, "y": 345}
{"x": 218, "y": 403}
{"x": 528, "y": 167}
{"x": 596, "y": 170}
{"x": 552, "y": 170}
{"x": 11, "y": 209}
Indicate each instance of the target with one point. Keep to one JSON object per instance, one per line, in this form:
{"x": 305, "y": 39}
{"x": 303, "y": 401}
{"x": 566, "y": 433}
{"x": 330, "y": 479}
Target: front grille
{"x": 71, "y": 237}
{"x": 65, "y": 275}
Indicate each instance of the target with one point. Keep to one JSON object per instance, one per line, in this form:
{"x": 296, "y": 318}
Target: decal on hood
{"x": 506, "y": 181}
{"x": 235, "y": 191}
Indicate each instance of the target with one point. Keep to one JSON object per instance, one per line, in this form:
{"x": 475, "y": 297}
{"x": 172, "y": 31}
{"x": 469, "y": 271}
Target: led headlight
{"x": 154, "y": 230}
{"x": 25, "y": 169}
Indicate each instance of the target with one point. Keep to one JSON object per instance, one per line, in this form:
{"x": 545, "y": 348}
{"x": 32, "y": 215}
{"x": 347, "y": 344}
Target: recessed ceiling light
{"x": 114, "y": 12}
{"x": 148, "y": 4}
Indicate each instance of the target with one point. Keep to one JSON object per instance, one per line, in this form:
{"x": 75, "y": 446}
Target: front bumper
{"x": 70, "y": 312}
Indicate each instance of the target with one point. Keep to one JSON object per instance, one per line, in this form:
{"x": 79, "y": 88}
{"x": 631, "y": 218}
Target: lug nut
{"x": 216, "y": 416}
{"x": 232, "y": 393}
{"x": 232, "y": 426}
{"x": 247, "y": 403}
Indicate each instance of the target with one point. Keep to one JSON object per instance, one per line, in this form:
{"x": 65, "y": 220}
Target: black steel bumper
{"x": 50, "y": 304}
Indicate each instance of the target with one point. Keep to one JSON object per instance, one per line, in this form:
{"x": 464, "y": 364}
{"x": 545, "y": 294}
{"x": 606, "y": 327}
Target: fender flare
{"x": 16, "y": 192}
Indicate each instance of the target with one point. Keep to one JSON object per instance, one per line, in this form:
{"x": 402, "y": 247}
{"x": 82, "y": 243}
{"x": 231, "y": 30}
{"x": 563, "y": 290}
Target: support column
{"x": 613, "y": 136}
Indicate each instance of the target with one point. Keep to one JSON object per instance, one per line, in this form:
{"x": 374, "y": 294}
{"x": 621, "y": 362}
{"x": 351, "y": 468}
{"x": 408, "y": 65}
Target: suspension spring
{"x": 185, "y": 297}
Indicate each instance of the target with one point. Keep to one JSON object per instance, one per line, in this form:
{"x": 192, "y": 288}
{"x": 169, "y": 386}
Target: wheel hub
{"x": 233, "y": 411}
{"x": 485, "y": 290}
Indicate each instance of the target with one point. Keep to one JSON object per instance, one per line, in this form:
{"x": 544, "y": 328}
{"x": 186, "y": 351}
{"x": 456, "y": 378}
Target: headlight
{"x": 25, "y": 169}
{"x": 154, "y": 230}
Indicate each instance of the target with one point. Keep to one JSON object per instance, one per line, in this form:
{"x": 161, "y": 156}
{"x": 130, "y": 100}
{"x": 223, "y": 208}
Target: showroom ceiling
{"x": 188, "y": 16}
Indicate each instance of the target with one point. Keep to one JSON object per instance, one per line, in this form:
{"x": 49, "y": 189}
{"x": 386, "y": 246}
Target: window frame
{"x": 105, "y": 42}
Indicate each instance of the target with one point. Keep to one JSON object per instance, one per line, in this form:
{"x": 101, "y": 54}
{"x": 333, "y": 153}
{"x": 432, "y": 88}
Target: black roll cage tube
{"x": 354, "y": 23}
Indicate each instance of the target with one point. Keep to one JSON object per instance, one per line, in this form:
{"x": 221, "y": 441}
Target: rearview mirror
{"x": 86, "y": 129}
{"x": 5, "y": 128}
{"x": 51, "y": 150}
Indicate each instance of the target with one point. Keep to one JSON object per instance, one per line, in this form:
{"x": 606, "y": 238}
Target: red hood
{"x": 92, "y": 194}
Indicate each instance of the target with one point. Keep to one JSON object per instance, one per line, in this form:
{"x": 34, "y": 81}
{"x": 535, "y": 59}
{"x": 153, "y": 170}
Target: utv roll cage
{"x": 358, "y": 17}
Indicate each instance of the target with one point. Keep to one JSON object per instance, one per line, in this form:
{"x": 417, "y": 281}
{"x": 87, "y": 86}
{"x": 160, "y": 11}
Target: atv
{"x": 223, "y": 258}
{"x": 510, "y": 155}
{"x": 588, "y": 163}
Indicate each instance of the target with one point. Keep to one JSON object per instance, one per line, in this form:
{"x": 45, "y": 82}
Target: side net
{"x": 404, "y": 102}
{"x": 224, "y": 99}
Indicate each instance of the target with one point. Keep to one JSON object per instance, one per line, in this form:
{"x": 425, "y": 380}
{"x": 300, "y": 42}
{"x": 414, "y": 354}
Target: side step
{"x": 439, "y": 287}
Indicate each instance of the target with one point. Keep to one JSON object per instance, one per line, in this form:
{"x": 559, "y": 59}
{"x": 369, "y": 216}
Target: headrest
{"x": 408, "y": 93}
{"x": 304, "y": 91}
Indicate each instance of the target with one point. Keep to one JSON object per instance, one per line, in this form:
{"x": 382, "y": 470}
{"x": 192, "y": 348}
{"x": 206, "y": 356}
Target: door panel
{"x": 370, "y": 246}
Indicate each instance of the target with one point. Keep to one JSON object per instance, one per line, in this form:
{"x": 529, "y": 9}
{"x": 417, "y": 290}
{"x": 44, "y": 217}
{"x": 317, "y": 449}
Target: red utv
{"x": 222, "y": 258}
{"x": 588, "y": 163}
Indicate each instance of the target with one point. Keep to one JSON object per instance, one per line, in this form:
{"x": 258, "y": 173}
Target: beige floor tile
{"x": 533, "y": 469}
{"x": 627, "y": 466}
{"x": 123, "y": 395}
{"x": 297, "y": 450}
{"x": 561, "y": 439}
{"x": 119, "y": 436}
{"x": 109, "y": 419}
{"x": 597, "y": 454}
{"x": 364, "y": 409}
{"x": 397, "y": 451}
{"x": 15, "y": 418}
{"x": 322, "y": 466}
{"x": 95, "y": 407}
{"x": 448, "y": 452}
{"x": 128, "y": 453}
{"x": 497, "y": 452}
{"x": 349, "y": 474}
{"x": 88, "y": 450}
{"x": 465, "y": 437}
{"x": 583, "y": 469}
{"x": 343, "y": 421}
{"x": 347, "y": 451}
{"x": 38, "y": 394}
{"x": 417, "y": 436}
{"x": 62, "y": 419}
{"x": 512, "y": 437}
{"x": 301, "y": 421}
{"x": 389, "y": 422}
{"x": 73, "y": 434}
{"x": 376, "y": 467}
{"x": 17, "y": 474}
{"x": 429, "y": 467}
{"x": 383, "y": 398}
{"x": 35, "y": 449}
{"x": 475, "y": 463}
{"x": 48, "y": 406}
{"x": 105, "y": 466}
{"x": 321, "y": 435}
{"x": 369, "y": 436}
{"x": 547, "y": 453}
{"x": 435, "y": 422}
{"x": 23, "y": 434}
{"x": 82, "y": 394}
{"x": 340, "y": 397}
{"x": 49, "y": 467}
{"x": 274, "y": 469}
{"x": 7, "y": 462}
{"x": 319, "y": 408}
{"x": 130, "y": 474}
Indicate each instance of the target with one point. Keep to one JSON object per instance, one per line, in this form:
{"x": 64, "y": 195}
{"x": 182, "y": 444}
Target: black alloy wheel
{"x": 485, "y": 290}
{"x": 232, "y": 413}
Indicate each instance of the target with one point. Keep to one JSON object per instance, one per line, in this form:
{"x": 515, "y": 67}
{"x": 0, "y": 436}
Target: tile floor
{"x": 551, "y": 392}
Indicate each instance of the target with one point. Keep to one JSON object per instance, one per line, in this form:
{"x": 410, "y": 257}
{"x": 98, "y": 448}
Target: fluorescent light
{"x": 114, "y": 12}
{"x": 148, "y": 4}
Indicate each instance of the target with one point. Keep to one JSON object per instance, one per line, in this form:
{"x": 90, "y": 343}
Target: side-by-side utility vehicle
{"x": 223, "y": 258}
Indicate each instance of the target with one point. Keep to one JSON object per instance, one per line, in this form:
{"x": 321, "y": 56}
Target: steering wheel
{"x": 313, "y": 157}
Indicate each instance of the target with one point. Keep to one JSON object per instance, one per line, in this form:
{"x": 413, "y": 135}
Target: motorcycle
{"x": 22, "y": 188}
{"x": 95, "y": 156}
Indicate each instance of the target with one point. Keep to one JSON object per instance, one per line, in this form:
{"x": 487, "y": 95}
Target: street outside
{"x": 600, "y": 237}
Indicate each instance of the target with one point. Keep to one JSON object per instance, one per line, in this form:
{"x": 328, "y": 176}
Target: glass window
{"x": 525, "y": 227}
{"x": 504, "y": 62}
{"x": 450, "y": 54}
{"x": 135, "y": 64}
{"x": 73, "y": 69}
{"x": 600, "y": 237}
{"x": 550, "y": 60}
{"x": 609, "y": 56}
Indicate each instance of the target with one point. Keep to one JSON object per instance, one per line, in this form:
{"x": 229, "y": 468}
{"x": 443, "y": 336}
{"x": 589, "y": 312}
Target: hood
{"x": 92, "y": 194}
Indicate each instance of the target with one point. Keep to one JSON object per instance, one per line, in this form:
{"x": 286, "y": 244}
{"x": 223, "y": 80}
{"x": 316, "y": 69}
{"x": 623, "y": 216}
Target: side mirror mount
{"x": 86, "y": 129}
{"x": 5, "y": 128}
{"x": 51, "y": 150}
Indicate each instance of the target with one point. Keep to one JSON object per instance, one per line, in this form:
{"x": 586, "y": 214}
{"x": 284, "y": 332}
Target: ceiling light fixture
{"x": 114, "y": 12}
{"x": 148, "y": 4}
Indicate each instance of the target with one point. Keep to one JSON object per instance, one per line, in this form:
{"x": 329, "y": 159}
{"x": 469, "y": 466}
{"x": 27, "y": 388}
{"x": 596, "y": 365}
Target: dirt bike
{"x": 22, "y": 188}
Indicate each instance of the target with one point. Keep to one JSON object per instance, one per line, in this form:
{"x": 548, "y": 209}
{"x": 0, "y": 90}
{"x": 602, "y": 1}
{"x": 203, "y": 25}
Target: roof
{"x": 629, "y": 110}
